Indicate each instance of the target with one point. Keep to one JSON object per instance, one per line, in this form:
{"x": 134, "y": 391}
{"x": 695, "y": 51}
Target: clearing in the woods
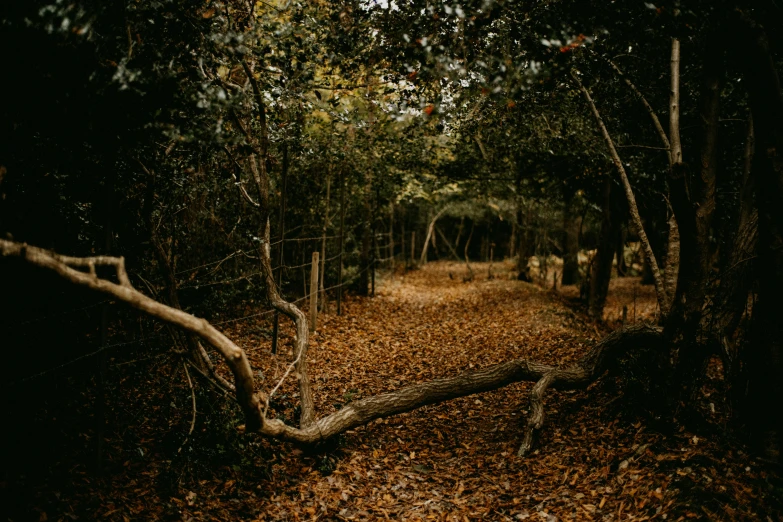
{"x": 598, "y": 457}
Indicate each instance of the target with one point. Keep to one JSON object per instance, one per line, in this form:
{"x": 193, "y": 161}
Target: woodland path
{"x": 597, "y": 458}
{"x": 456, "y": 461}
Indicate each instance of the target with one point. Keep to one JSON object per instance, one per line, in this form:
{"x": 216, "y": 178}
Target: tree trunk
{"x": 470, "y": 275}
{"x": 523, "y": 273}
{"x": 459, "y": 231}
{"x": 280, "y": 249}
{"x": 512, "y": 244}
{"x": 672, "y": 262}
{"x": 367, "y": 230}
{"x": 342, "y": 246}
{"x": 403, "y": 240}
{"x": 673, "y": 150}
{"x": 765, "y": 358}
{"x": 301, "y": 341}
{"x": 602, "y": 263}
{"x": 622, "y": 266}
{"x": 693, "y": 201}
{"x": 391, "y": 237}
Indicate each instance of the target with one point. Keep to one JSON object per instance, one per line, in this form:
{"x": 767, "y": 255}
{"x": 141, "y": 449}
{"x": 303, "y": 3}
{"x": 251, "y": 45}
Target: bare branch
{"x": 238, "y": 181}
{"x": 193, "y": 397}
{"x": 643, "y": 100}
{"x": 233, "y": 355}
{"x": 635, "y": 217}
{"x": 641, "y": 147}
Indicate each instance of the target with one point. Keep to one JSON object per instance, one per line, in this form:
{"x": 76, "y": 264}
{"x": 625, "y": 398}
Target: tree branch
{"x": 643, "y": 100}
{"x": 193, "y": 400}
{"x": 635, "y": 217}
{"x": 429, "y": 234}
{"x": 64, "y": 266}
{"x": 590, "y": 367}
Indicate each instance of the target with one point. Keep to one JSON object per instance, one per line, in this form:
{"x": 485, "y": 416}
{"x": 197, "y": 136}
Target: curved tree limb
{"x": 261, "y": 178}
{"x": 660, "y": 290}
{"x": 430, "y": 230}
{"x": 302, "y": 333}
{"x": 66, "y": 266}
{"x": 591, "y": 366}
{"x": 193, "y": 402}
{"x": 586, "y": 370}
{"x": 653, "y": 115}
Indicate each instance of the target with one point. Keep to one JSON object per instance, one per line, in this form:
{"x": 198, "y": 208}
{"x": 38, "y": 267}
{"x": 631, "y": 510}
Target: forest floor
{"x": 599, "y": 455}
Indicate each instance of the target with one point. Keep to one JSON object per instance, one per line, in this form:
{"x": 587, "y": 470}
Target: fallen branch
{"x": 66, "y": 266}
{"x": 589, "y": 368}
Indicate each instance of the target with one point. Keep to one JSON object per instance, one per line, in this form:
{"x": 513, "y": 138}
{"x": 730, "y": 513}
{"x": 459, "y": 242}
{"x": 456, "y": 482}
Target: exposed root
{"x": 589, "y": 368}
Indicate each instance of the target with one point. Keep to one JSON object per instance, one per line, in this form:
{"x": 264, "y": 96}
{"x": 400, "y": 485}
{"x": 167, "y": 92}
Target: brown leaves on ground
{"x": 596, "y": 460}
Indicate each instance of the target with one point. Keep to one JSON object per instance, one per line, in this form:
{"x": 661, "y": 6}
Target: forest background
{"x": 210, "y": 148}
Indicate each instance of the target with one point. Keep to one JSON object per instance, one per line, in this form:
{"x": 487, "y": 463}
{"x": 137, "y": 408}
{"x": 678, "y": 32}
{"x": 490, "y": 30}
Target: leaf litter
{"x": 598, "y": 458}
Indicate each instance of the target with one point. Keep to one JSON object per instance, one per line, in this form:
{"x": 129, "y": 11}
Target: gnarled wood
{"x": 586, "y": 370}
{"x": 66, "y": 266}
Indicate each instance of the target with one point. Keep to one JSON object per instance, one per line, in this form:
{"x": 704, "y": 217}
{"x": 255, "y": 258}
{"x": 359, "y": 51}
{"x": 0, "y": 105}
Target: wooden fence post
{"x": 314, "y": 293}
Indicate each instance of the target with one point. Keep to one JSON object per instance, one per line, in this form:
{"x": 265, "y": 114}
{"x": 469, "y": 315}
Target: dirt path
{"x": 599, "y": 458}
{"x": 456, "y": 461}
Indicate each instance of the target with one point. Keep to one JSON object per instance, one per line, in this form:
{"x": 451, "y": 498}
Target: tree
{"x": 198, "y": 127}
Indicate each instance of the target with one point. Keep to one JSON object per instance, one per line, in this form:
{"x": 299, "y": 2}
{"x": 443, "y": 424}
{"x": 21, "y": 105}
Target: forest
{"x": 391, "y": 260}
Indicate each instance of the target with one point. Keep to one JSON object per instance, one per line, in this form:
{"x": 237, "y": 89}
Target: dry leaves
{"x": 452, "y": 461}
